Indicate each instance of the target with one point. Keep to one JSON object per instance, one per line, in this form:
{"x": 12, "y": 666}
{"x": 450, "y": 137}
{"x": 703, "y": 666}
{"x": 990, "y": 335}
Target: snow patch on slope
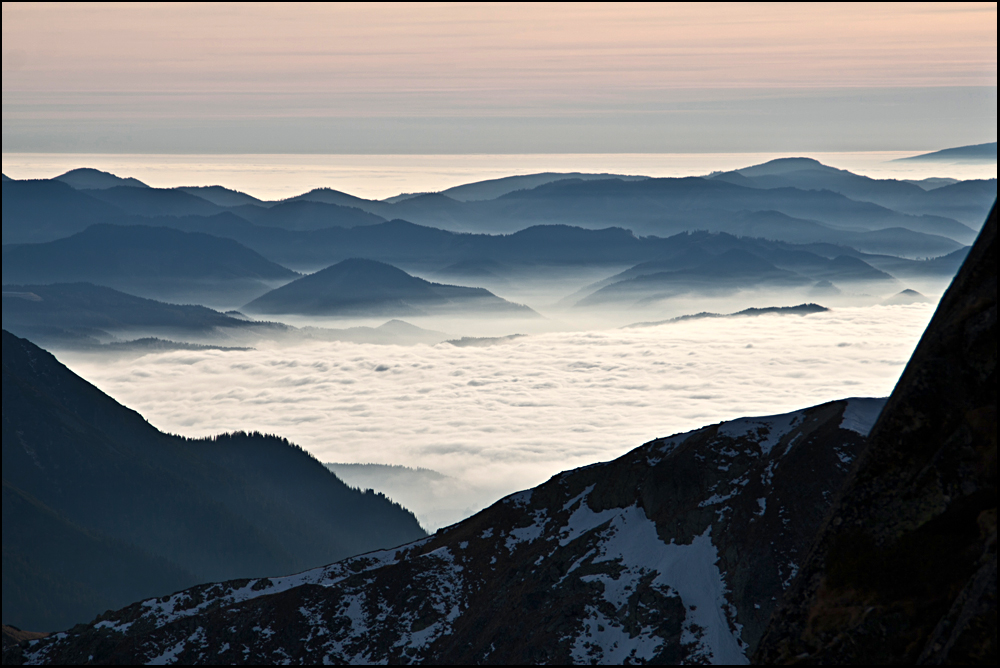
{"x": 769, "y": 430}
{"x": 861, "y": 413}
{"x": 690, "y": 571}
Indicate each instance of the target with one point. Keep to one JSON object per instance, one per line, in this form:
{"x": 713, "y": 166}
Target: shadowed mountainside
{"x": 100, "y": 508}
{"x": 905, "y": 569}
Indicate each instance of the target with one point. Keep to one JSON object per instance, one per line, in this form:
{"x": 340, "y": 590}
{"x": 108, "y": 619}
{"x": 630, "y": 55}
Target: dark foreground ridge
{"x": 677, "y": 551}
{"x": 101, "y": 509}
{"x": 905, "y": 569}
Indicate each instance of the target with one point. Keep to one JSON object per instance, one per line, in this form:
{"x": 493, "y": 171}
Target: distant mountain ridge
{"x": 84, "y": 316}
{"x": 156, "y": 262}
{"x": 974, "y": 152}
{"x": 833, "y": 202}
{"x": 358, "y": 286}
{"x": 801, "y": 309}
{"x": 86, "y": 178}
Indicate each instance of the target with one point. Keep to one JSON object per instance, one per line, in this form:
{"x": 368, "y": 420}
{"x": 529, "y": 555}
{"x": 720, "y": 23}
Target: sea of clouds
{"x": 506, "y": 417}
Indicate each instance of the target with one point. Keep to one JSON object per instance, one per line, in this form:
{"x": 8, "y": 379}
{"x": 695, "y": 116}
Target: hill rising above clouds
{"x": 83, "y": 316}
{"x": 358, "y": 286}
{"x": 975, "y": 152}
{"x": 100, "y": 508}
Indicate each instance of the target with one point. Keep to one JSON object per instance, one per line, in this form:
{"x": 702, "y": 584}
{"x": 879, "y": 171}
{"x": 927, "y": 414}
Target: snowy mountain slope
{"x": 676, "y": 552}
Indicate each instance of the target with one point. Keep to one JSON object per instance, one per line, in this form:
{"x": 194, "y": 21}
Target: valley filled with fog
{"x": 448, "y": 348}
{"x": 493, "y": 419}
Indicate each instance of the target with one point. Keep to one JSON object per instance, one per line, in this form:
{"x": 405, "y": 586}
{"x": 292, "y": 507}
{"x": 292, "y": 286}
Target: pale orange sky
{"x": 101, "y": 65}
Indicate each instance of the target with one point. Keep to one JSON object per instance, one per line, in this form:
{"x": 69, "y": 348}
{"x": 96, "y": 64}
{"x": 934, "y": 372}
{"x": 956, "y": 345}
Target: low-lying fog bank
{"x": 504, "y": 417}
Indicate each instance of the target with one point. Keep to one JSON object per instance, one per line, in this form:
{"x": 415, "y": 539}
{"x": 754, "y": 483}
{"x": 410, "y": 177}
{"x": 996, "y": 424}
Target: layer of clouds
{"x": 509, "y": 416}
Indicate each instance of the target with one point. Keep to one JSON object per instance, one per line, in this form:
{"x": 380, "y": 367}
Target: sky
{"x": 507, "y": 417}
{"x": 493, "y": 78}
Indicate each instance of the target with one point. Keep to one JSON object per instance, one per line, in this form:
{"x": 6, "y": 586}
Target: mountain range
{"x": 809, "y": 536}
{"x": 157, "y": 262}
{"x": 84, "y": 316}
{"x": 828, "y": 201}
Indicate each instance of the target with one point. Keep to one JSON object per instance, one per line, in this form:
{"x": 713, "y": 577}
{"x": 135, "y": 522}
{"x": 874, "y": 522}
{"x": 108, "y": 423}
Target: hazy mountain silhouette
{"x": 221, "y": 196}
{"x": 100, "y": 507}
{"x": 86, "y": 178}
{"x": 359, "y": 286}
{"x": 931, "y": 182}
{"x": 83, "y": 316}
{"x": 707, "y": 262}
{"x": 908, "y": 297}
{"x": 801, "y": 309}
{"x": 645, "y": 206}
{"x": 83, "y": 313}
{"x": 973, "y": 153}
{"x": 150, "y": 261}
{"x": 969, "y": 205}
{"x": 331, "y": 196}
{"x": 493, "y": 188}
{"x": 732, "y": 270}
{"x": 796, "y": 200}
{"x": 37, "y": 211}
{"x": 156, "y": 201}
{"x": 306, "y": 215}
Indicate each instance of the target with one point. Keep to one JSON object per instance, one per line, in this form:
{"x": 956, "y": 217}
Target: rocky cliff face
{"x": 905, "y": 569}
{"x": 676, "y": 552}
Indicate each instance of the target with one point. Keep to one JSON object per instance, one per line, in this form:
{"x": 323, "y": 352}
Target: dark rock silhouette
{"x": 905, "y": 568}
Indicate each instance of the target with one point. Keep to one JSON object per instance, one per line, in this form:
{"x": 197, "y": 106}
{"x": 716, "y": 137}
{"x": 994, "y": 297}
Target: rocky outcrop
{"x": 905, "y": 568}
{"x": 677, "y": 551}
